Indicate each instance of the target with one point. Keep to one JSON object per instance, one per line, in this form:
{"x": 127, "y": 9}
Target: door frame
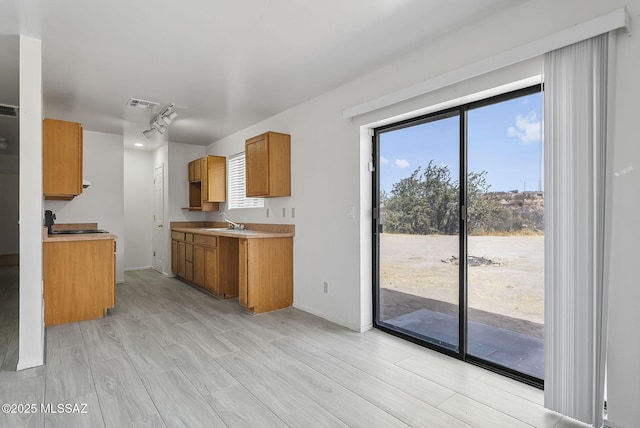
{"x": 157, "y": 238}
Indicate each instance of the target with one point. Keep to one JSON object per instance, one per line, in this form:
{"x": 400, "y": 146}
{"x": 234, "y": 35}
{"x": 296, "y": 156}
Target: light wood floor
{"x": 169, "y": 355}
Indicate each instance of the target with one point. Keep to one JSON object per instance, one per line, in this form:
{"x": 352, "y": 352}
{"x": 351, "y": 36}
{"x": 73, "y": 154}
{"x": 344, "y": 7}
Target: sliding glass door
{"x": 459, "y": 239}
{"x": 419, "y": 208}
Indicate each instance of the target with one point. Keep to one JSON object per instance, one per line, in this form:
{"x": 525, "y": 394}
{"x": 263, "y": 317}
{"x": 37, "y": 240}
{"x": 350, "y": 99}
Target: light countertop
{"x": 240, "y": 234}
{"x": 75, "y": 237}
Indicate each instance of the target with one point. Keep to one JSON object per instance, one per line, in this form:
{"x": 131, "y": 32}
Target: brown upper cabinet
{"x": 268, "y": 165}
{"x": 195, "y": 171}
{"x": 61, "y": 159}
{"x": 214, "y": 178}
{"x": 192, "y": 171}
{"x": 207, "y": 183}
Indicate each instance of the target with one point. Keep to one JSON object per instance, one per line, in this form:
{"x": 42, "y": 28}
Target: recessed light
{"x": 139, "y": 145}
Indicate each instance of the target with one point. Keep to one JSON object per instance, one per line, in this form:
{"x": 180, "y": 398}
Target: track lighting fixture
{"x": 160, "y": 122}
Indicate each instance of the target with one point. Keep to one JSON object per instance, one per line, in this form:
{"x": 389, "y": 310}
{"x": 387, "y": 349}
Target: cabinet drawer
{"x": 188, "y": 237}
{"x": 177, "y": 236}
{"x": 206, "y": 240}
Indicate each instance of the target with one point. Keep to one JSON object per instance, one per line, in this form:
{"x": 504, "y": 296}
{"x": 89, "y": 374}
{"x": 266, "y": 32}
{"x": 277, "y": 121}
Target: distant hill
{"x": 427, "y": 202}
{"x": 526, "y": 211}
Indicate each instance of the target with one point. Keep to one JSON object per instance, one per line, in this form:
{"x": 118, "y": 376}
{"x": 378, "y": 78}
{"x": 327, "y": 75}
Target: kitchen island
{"x": 255, "y": 265}
{"x": 79, "y": 275}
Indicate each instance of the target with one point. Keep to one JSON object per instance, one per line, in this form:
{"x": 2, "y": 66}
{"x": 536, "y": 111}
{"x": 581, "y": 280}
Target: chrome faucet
{"x": 233, "y": 225}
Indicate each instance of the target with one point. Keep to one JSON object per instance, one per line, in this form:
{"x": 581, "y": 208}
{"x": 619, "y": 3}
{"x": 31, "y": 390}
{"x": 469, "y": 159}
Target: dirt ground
{"x": 512, "y": 287}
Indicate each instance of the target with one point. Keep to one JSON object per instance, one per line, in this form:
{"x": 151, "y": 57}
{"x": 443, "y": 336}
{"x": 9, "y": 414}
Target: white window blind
{"x": 576, "y": 80}
{"x": 236, "y": 185}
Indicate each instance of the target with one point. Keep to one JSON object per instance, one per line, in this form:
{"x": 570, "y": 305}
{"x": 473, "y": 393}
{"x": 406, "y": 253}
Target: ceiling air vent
{"x": 147, "y": 105}
{"x": 9, "y": 111}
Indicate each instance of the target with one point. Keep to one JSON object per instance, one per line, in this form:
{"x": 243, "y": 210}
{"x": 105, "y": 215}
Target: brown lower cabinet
{"x": 194, "y": 258}
{"x": 205, "y": 263}
{"x": 182, "y": 255}
{"x": 257, "y": 271}
{"x": 265, "y": 274}
{"x": 79, "y": 280}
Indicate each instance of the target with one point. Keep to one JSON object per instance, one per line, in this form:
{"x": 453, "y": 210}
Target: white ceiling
{"x": 226, "y": 64}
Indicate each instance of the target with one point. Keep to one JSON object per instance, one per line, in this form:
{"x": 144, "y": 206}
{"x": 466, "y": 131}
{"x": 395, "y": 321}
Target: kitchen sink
{"x": 222, "y": 229}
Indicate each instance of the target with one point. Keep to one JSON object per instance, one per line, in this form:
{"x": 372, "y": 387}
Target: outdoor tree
{"x": 426, "y": 202}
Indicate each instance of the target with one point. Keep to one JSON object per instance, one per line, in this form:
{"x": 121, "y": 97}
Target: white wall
{"x": 329, "y": 173}
{"x": 103, "y": 201}
{"x": 624, "y": 316}
{"x": 138, "y": 208}
{"x": 9, "y": 200}
{"x": 31, "y": 322}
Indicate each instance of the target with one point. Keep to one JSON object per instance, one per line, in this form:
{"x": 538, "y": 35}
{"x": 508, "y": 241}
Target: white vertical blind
{"x": 575, "y": 117}
{"x": 236, "y": 187}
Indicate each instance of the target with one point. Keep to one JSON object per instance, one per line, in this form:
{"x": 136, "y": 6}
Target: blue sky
{"x": 504, "y": 140}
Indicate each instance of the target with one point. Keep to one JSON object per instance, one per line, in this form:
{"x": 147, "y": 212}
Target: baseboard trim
{"x": 350, "y": 326}
{"x": 29, "y": 364}
{"x": 137, "y": 268}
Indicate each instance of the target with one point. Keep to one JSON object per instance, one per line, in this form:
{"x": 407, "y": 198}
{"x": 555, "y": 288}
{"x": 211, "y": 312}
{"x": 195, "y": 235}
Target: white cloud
{"x": 402, "y": 163}
{"x": 384, "y": 160}
{"x": 527, "y": 128}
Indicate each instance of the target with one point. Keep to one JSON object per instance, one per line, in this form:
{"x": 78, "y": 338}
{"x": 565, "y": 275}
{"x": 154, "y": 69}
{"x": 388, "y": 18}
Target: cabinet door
{"x": 204, "y": 179}
{"x": 216, "y": 190}
{"x": 188, "y": 253}
{"x": 199, "y": 265}
{"x": 257, "y": 166}
{"x": 243, "y": 279}
{"x": 188, "y": 271}
{"x": 192, "y": 172}
{"x": 61, "y": 159}
{"x": 211, "y": 282}
{"x": 181, "y": 270}
{"x": 174, "y": 256}
{"x": 197, "y": 171}
{"x": 228, "y": 263}
{"x": 268, "y": 165}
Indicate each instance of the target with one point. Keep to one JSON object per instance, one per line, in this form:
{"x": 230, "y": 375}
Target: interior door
{"x": 158, "y": 218}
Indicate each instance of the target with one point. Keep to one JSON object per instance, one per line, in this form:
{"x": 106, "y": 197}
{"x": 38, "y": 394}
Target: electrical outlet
{"x": 284, "y": 212}
{"x": 293, "y": 213}
{"x": 267, "y": 212}
{"x": 326, "y": 287}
